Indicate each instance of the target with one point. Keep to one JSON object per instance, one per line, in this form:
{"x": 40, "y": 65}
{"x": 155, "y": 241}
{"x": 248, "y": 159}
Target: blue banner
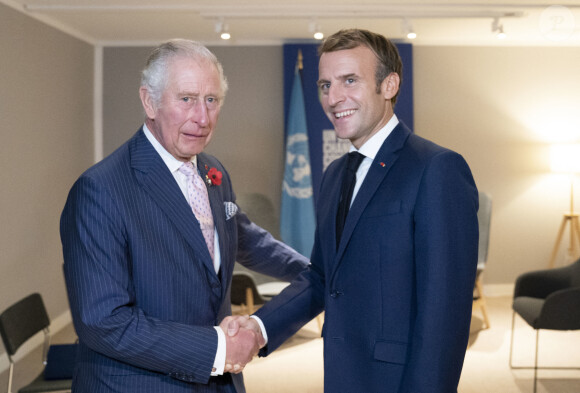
{"x": 297, "y": 220}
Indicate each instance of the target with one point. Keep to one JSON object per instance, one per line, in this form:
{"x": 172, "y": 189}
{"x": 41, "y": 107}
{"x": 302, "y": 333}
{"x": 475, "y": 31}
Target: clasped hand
{"x": 243, "y": 341}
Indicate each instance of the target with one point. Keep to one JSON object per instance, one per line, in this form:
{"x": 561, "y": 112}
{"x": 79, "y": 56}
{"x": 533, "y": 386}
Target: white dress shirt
{"x": 370, "y": 150}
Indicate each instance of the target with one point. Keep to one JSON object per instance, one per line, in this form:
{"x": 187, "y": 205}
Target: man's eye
{"x": 186, "y": 99}
{"x": 349, "y": 81}
{"x": 324, "y": 86}
{"x": 212, "y": 102}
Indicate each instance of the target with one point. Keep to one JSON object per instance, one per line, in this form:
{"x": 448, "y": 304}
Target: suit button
{"x": 335, "y": 293}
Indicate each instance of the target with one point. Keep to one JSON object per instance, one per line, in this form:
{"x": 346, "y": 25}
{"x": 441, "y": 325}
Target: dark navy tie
{"x": 348, "y": 182}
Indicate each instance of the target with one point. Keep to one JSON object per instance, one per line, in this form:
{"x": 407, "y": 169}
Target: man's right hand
{"x": 243, "y": 341}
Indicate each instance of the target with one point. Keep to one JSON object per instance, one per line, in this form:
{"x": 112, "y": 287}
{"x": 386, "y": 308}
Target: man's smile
{"x": 338, "y": 115}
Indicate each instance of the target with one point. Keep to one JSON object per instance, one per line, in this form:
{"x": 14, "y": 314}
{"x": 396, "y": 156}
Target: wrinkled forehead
{"x": 187, "y": 71}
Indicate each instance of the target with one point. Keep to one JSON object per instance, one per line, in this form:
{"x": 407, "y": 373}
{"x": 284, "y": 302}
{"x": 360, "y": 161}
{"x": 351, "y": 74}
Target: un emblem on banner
{"x": 297, "y": 175}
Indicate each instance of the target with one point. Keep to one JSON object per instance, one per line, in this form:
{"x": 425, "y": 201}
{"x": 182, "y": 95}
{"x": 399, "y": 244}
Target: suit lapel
{"x": 156, "y": 179}
{"x": 381, "y": 165}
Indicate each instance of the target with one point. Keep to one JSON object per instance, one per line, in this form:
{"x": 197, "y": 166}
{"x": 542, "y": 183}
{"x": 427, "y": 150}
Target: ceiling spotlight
{"x": 500, "y": 34}
{"x": 496, "y": 27}
{"x": 222, "y": 29}
{"x": 314, "y": 28}
{"x": 225, "y": 35}
{"x": 408, "y": 29}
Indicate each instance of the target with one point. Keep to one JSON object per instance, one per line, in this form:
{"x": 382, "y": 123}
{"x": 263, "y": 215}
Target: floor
{"x": 297, "y": 366}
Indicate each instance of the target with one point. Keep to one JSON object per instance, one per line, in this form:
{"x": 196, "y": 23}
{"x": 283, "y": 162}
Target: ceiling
{"x": 265, "y": 22}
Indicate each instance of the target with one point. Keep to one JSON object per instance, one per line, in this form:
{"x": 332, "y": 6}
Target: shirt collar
{"x": 373, "y": 145}
{"x": 172, "y": 163}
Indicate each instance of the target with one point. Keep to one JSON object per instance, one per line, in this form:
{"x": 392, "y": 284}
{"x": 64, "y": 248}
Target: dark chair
{"x": 260, "y": 209}
{"x": 19, "y": 323}
{"x": 484, "y": 219}
{"x": 547, "y": 299}
{"x": 244, "y": 293}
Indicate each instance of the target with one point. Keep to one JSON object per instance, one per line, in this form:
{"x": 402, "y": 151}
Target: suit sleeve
{"x": 259, "y": 251}
{"x": 299, "y": 303}
{"x": 254, "y": 247}
{"x": 108, "y": 319}
{"x": 445, "y": 248}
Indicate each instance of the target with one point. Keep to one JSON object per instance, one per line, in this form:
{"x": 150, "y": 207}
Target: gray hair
{"x": 154, "y": 75}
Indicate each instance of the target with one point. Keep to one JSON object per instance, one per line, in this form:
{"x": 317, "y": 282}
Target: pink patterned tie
{"x": 199, "y": 202}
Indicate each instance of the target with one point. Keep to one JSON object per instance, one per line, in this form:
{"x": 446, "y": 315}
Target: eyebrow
{"x": 348, "y": 76}
{"x": 341, "y": 77}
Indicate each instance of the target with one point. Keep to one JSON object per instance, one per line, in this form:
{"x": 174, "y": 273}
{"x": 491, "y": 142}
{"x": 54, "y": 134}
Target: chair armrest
{"x": 560, "y": 310}
{"x": 541, "y": 283}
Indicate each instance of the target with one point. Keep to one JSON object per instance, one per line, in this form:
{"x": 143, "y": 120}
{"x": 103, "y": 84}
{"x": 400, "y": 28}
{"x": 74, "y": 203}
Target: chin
{"x": 342, "y": 134}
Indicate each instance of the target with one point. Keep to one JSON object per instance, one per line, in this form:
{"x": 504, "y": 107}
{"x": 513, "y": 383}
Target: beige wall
{"x": 46, "y": 124}
{"x": 501, "y": 108}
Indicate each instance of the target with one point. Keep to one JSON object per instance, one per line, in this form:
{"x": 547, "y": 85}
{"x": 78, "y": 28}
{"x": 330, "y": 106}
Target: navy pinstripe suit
{"x": 143, "y": 291}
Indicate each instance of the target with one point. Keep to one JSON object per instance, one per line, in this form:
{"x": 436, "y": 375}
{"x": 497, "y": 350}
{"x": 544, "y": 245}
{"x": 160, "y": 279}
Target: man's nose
{"x": 335, "y": 95}
{"x": 200, "y": 113}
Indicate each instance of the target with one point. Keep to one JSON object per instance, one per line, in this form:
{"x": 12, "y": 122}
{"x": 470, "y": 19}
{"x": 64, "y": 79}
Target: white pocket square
{"x": 231, "y": 209}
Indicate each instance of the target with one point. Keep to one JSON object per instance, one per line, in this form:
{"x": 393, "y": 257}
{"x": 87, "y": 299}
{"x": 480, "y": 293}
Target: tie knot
{"x": 187, "y": 168}
{"x": 354, "y": 160}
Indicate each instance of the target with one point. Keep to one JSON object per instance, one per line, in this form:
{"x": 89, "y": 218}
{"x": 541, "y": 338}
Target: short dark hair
{"x": 385, "y": 51}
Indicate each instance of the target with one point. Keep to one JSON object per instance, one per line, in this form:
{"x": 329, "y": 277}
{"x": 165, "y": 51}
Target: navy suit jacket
{"x": 143, "y": 292}
{"x": 398, "y": 291}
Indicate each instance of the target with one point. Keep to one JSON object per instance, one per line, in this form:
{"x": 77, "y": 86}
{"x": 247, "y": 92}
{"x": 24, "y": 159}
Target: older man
{"x": 150, "y": 236}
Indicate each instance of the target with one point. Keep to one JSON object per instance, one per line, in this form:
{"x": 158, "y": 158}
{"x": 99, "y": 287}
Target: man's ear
{"x": 147, "y": 101}
{"x": 390, "y": 85}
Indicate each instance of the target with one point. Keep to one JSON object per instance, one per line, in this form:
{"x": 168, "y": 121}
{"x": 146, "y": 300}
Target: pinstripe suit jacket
{"x": 143, "y": 292}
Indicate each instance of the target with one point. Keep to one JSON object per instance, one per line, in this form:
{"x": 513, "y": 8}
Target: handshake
{"x": 243, "y": 341}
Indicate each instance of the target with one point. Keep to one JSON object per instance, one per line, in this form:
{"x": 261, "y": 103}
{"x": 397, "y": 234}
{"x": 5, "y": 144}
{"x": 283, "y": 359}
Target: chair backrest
{"x": 484, "y": 218}
{"x": 575, "y": 274}
{"x": 241, "y": 281}
{"x": 260, "y": 209}
{"x": 21, "y": 321}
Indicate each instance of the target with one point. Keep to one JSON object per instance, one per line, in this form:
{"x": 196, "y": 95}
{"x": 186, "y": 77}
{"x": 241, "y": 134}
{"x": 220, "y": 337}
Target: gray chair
{"x": 244, "y": 293}
{"x": 260, "y": 209}
{"x": 484, "y": 218}
{"x": 547, "y": 299}
{"x": 18, "y": 324}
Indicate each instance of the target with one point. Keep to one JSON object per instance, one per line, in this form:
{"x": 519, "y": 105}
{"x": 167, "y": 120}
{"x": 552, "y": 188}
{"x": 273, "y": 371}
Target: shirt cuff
{"x": 220, "y": 357}
{"x": 262, "y": 328}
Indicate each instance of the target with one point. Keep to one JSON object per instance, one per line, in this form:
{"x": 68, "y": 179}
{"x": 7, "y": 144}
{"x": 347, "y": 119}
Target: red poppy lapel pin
{"x": 213, "y": 177}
